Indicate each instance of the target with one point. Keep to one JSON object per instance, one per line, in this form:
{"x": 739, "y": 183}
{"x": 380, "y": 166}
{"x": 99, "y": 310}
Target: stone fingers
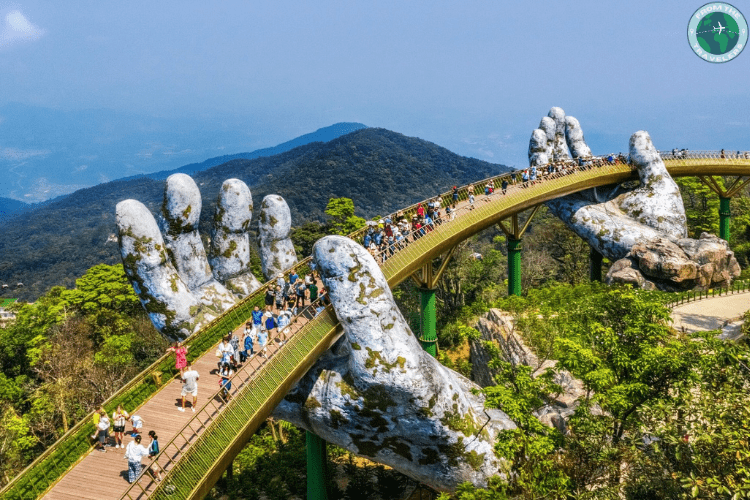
{"x": 230, "y": 242}
{"x": 274, "y": 226}
{"x": 164, "y": 295}
{"x": 657, "y": 203}
{"x": 574, "y": 137}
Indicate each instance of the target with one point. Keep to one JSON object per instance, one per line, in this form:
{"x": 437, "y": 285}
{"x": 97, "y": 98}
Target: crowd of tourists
{"x": 135, "y": 452}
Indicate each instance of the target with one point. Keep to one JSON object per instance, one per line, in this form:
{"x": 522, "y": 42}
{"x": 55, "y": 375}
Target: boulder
{"x": 680, "y": 264}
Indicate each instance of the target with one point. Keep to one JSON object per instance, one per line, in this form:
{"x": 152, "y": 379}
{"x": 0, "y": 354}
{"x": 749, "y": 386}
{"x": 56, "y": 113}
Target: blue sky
{"x": 473, "y": 76}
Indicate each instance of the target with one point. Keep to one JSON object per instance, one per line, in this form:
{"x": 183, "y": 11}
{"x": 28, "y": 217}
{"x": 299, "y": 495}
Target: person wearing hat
{"x": 280, "y": 280}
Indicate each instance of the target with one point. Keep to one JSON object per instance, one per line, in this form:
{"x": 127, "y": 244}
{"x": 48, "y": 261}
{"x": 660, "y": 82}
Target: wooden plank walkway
{"x": 104, "y": 476}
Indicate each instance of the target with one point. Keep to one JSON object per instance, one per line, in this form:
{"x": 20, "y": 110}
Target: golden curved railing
{"x": 569, "y": 177}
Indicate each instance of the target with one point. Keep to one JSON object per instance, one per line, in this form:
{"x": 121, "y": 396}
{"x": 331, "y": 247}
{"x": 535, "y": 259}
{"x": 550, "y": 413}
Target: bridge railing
{"x": 56, "y": 460}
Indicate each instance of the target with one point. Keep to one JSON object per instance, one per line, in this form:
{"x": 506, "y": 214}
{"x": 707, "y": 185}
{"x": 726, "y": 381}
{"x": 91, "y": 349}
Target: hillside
{"x": 379, "y": 169}
{"x": 9, "y": 206}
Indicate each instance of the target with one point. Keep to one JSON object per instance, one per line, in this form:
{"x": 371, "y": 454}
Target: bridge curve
{"x": 206, "y": 445}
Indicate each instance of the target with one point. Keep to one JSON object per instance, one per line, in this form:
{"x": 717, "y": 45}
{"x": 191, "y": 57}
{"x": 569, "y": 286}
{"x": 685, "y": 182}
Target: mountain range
{"x": 380, "y": 170}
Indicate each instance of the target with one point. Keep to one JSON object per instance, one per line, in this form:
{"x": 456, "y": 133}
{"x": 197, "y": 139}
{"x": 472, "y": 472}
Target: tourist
{"x": 263, "y": 339}
{"x": 137, "y": 422}
{"x": 119, "y": 419}
{"x": 504, "y": 185}
{"x": 420, "y": 211}
{"x": 257, "y": 316}
{"x": 235, "y": 343}
{"x": 103, "y": 430}
{"x": 189, "y": 386}
{"x": 247, "y": 343}
{"x": 301, "y": 291}
{"x": 283, "y": 320}
{"x": 470, "y": 189}
{"x": 135, "y": 453}
{"x": 309, "y": 279}
{"x": 279, "y": 298}
{"x": 280, "y": 280}
{"x": 455, "y": 195}
{"x": 313, "y": 291}
{"x": 293, "y": 276}
{"x": 225, "y": 381}
{"x": 153, "y": 450}
{"x": 95, "y": 420}
{"x": 180, "y": 353}
{"x": 270, "y": 298}
{"x": 225, "y": 351}
{"x": 471, "y": 201}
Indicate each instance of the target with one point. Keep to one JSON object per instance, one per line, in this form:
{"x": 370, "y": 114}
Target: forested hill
{"x": 379, "y": 169}
{"x": 9, "y": 206}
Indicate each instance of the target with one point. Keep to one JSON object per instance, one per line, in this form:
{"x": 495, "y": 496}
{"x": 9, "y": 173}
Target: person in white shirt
{"x": 103, "y": 433}
{"x": 190, "y": 386}
{"x": 135, "y": 452}
{"x": 119, "y": 419}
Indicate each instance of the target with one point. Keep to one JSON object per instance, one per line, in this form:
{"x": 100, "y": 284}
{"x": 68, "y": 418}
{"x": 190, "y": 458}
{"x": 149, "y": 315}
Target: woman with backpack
{"x": 153, "y": 450}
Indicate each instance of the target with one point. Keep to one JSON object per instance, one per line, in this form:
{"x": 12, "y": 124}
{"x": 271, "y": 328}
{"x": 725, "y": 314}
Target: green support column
{"x": 429, "y": 321}
{"x": 595, "y": 261}
{"x": 316, "y": 466}
{"x": 514, "y": 266}
{"x": 724, "y": 218}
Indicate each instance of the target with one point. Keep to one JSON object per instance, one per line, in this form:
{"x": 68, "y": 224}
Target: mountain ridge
{"x": 379, "y": 169}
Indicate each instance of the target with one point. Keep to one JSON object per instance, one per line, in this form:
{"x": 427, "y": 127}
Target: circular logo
{"x": 717, "y": 32}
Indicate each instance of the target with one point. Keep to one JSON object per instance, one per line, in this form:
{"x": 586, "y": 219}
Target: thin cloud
{"x": 15, "y": 28}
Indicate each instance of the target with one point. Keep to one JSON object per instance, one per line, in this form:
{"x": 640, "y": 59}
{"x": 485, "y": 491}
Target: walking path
{"x": 710, "y": 314}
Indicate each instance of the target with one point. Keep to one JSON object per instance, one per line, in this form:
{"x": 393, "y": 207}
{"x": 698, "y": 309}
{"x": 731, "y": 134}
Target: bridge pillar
{"x": 316, "y": 467}
{"x": 514, "y": 266}
{"x": 426, "y": 280}
{"x": 595, "y": 263}
{"x": 725, "y": 216}
{"x": 428, "y": 338}
{"x": 513, "y": 237}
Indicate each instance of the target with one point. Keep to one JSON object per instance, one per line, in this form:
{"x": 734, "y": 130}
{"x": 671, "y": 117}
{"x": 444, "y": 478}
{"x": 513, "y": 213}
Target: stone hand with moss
{"x": 180, "y": 286}
{"x": 378, "y": 394}
{"x": 642, "y": 228}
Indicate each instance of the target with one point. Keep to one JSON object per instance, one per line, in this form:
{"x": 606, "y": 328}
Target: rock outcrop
{"x": 645, "y": 225}
{"x": 498, "y": 327}
{"x": 167, "y": 263}
{"x": 674, "y": 265}
{"x": 378, "y": 394}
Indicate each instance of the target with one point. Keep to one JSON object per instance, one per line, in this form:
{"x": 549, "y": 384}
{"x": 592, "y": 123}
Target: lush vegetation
{"x": 64, "y": 355}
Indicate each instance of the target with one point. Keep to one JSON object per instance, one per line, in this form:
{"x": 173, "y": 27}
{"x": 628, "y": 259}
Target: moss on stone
{"x": 356, "y": 346}
{"x": 231, "y": 248}
{"x": 337, "y": 419}
{"x": 460, "y": 423}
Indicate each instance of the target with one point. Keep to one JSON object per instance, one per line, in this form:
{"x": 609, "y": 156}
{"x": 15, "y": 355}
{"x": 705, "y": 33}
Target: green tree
{"x": 342, "y": 218}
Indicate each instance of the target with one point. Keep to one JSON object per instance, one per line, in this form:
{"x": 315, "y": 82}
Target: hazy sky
{"x": 473, "y": 76}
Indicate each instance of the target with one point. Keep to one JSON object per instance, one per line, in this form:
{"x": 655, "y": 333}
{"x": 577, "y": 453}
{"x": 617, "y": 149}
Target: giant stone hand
{"x": 168, "y": 266}
{"x": 378, "y": 394}
{"x": 644, "y": 228}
